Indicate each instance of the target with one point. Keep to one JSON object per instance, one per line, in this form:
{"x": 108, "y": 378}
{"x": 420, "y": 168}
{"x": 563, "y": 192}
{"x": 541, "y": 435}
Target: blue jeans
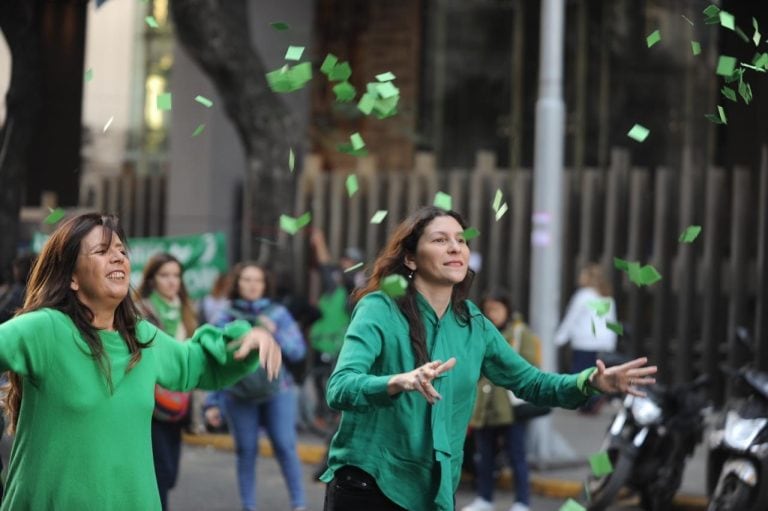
{"x": 278, "y": 416}
{"x": 514, "y": 441}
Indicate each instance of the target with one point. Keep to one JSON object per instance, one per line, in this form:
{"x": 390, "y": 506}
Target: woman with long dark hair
{"x": 407, "y": 372}
{"x": 83, "y": 372}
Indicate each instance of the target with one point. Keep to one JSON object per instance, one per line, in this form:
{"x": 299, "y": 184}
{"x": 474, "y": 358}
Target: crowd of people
{"x": 407, "y": 374}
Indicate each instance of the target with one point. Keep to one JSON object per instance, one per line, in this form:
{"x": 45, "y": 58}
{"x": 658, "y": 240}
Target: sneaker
{"x": 479, "y": 504}
{"x": 519, "y": 506}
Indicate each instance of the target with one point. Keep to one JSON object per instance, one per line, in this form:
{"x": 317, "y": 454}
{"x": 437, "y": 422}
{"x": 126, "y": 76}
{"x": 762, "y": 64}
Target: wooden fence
{"x": 686, "y": 323}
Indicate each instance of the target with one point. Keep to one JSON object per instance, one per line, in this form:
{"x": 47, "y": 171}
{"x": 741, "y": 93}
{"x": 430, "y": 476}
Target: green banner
{"x": 204, "y": 257}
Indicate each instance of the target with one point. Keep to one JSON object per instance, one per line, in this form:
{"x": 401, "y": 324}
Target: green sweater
{"x": 412, "y": 449}
{"x": 77, "y": 446}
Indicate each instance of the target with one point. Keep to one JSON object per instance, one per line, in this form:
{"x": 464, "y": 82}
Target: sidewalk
{"x": 583, "y": 433}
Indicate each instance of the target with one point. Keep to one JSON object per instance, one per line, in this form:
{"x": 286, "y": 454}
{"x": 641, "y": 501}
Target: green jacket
{"x": 412, "y": 449}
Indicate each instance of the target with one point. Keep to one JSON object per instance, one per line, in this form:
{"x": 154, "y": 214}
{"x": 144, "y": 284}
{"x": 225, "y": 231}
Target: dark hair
{"x": 391, "y": 261}
{"x": 49, "y": 287}
{"x": 234, "y": 289}
{"x": 157, "y": 261}
{"x": 501, "y": 296}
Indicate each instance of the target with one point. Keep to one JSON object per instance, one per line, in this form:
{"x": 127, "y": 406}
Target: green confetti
{"x": 366, "y": 103}
{"x": 470, "y": 234}
{"x": 756, "y": 36}
{"x": 647, "y": 276}
{"x": 294, "y": 53}
{"x": 686, "y": 19}
{"x": 280, "y": 26}
{"x": 54, "y": 216}
{"x": 638, "y": 133}
{"x": 713, "y": 118}
{"x": 500, "y": 213}
{"x": 293, "y": 225}
{"x": 727, "y": 20}
{"x": 164, "y": 101}
{"x": 198, "y": 130}
{"x": 600, "y": 306}
{"x": 744, "y": 37}
{"x": 344, "y": 91}
{"x": 601, "y": 464}
{"x": 762, "y": 61}
{"x": 725, "y": 65}
{"x": 443, "y": 201}
{"x": 695, "y": 47}
{"x": 379, "y": 216}
{"x": 88, "y": 75}
{"x": 728, "y": 93}
{"x": 617, "y": 328}
{"x": 497, "y": 200}
{"x": 385, "y": 77}
{"x": 289, "y": 79}
{"x": 340, "y": 72}
{"x": 394, "y": 285}
{"x": 745, "y": 91}
{"x": 690, "y": 234}
{"x": 291, "y": 159}
{"x": 721, "y": 113}
{"x": 347, "y": 148}
{"x": 151, "y": 21}
{"x": 572, "y": 505}
{"x": 387, "y": 90}
{"x": 653, "y": 38}
{"x": 204, "y": 101}
{"x": 711, "y": 10}
{"x": 352, "y": 185}
{"x": 620, "y": 264}
{"x": 354, "y": 267}
{"x": 328, "y": 63}
{"x": 357, "y": 141}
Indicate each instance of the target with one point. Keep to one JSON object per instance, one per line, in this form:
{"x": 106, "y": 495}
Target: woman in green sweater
{"x": 400, "y": 440}
{"x": 88, "y": 365}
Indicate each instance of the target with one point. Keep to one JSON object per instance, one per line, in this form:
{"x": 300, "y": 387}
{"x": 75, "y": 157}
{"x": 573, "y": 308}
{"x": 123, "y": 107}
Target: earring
{"x": 410, "y": 275}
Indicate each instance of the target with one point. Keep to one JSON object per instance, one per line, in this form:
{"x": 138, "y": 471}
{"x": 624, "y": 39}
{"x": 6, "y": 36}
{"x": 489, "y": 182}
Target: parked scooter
{"x": 737, "y": 466}
{"x": 648, "y": 444}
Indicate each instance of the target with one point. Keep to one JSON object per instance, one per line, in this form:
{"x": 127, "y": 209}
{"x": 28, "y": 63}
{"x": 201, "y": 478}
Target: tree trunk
{"x": 23, "y": 100}
{"x": 216, "y": 35}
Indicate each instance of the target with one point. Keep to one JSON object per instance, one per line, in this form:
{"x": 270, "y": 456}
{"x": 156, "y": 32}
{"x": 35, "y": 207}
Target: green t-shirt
{"x": 412, "y": 449}
{"x": 77, "y": 446}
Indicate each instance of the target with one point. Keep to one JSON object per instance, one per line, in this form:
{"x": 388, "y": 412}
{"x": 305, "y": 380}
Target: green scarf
{"x": 169, "y": 314}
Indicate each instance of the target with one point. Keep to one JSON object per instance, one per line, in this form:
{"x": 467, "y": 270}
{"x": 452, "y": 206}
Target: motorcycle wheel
{"x": 610, "y": 485}
{"x": 659, "y": 497}
{"x": 734, "y": 497}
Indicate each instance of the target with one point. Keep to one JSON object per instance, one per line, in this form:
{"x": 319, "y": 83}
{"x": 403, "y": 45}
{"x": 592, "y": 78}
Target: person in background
{"x": 494, "y": 414}
{"x": 584, "y": 328}
{"x": 88, "y": 365}
{"x": 216, "y": 302}
{"x": 165, "y": 302}
{"x": 406, "y": 377}
{"x": 253, "y": 401}
{"x": 13, "y": 298}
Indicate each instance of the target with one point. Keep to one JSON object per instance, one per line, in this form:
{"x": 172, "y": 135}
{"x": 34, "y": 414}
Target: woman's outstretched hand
{"x": 259, "y": 339}
{"x": 420, "y": 380}
{"x": 624, "y": 378}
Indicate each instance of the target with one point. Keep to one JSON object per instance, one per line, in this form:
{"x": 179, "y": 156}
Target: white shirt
{"x": 576, "y": 326}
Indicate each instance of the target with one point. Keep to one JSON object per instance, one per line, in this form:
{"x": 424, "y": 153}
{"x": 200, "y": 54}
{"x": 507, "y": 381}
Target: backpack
{"x": 327, "y": 333}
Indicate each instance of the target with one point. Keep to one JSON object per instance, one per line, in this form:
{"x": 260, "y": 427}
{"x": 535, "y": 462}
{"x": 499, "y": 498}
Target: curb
{"x": 542, "y": 486}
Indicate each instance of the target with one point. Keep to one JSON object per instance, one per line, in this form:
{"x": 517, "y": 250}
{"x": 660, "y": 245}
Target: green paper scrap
{"x": 762, "y": 61}
{"x": 328, "y": 63}
{"x": 292, "y": 225}
{"x": 617, "y": 328}
{"x": 756, "y": 36}
{"x": 164, "y": 101}
{"x": 88, "y": 75}
{"x": 647, "y": 276}
{"x": 385, "y": 77}
{"x": 500, "y": 213}
{"x": 690, "y": 234}
{"x": 289, "y": 79}
{"x": 725, "y": 65}
{"x": 291, "y": 159}
{"x": 686, "y": 19}
{"x": 54, "y": 216}
{"x": 352, "y": 185}
{"x": 497, "y": 200}
{"x": 744, "y": 37}
{"x": 601, "y": 307}
{"x": 357, "y": 141}
{"x": 653, "y": 38}
{"x": 347, "y": 148}
{"x": 738, "y": 74}
{"x": 727, "y": 20}
{"x": 340, "y": 72}
{"x": 620, "y": 264}
{"x": 601, "y": 464}
{"x": 443, "y": 201}
{"x": 387, "y": 90}
{"x": 587, "y": 493}
{"x": 294, "y": 53}
{"x": 394, "y": 285}
{"x": 198, "y": 130}
{"x": 711, "y": 11}
{"x": 366, "y": 103}
{"x": 344, "y": 91}
{"x": 379, "y": 216}
{"x": 638, "y": 133}
{"x": 572, "y": 505}
{"x": 204, "y": 101}
{"x": 151, "y": 21}
{"x": 470, "y": 234}
{"x": 354, "y": 267}
{"x": 728, "y": 93}
{"x": 713, "y": 118}
{"x": 745, "y": 91}
{"x": 384, "y": 108}
{"x": 695, "y": 47}
{"x": 280, "y": 26}
{"x": 721, "y": 113}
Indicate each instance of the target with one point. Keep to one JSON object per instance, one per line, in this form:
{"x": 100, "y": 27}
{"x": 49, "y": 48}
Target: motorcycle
{"x": 737, "y": 465}
{"x": 648, "y": 444}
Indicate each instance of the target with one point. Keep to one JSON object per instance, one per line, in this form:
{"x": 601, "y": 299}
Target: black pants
{"x": 353, "y": 489}
{"x": 166, "y": 451}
